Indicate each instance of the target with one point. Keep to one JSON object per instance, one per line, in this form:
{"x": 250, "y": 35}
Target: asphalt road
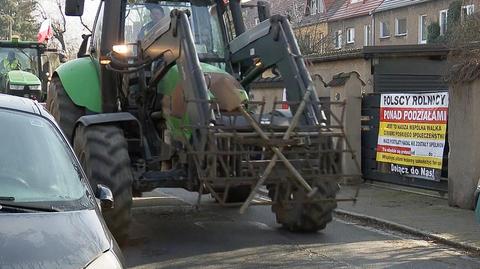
{"x": 169, "y": 233}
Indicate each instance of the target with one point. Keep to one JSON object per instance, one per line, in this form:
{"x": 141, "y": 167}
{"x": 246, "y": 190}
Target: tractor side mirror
{"x": 105, "y": 195}
{"x": 74, "y": 7}
{"x": 82, "y": 51}
{"x": 263, "y": 9}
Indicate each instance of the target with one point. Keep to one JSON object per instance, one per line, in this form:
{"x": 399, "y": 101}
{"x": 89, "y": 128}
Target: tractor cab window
{"x": 25, "y": 59}
{"x": 97, "y": 32}
{"x": 141, "y": 18}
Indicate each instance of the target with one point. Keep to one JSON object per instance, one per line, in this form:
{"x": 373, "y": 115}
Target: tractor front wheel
{"x": 103, "y": 153}
{"x": 59, "y": 104}
{"x": 298, "y": 213}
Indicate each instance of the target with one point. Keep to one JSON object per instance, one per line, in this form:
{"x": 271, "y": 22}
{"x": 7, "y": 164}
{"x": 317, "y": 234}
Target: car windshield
{"x": 36, "y": 165}
{"x": 141, "y": 18}
{"x": 26, "y": 57}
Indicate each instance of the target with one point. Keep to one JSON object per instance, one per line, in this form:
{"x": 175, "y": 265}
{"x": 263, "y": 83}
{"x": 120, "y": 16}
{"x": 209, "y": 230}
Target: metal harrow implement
{"x": 299, "y": 165}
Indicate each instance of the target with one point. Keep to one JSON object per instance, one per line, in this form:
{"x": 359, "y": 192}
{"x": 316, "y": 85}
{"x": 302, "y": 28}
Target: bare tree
{"x": 59, "y": 26}
{"x": 58, "y": 23}
{"x": 464, "y": 43}
{"x": 313, "y": 40}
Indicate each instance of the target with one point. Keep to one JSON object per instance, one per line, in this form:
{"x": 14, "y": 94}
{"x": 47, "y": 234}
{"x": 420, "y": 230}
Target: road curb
{"x": 409, "y": 230}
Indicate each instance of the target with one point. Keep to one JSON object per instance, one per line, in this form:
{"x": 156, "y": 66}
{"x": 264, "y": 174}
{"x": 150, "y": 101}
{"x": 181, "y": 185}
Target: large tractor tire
{"x": 296, "y": 215}
{"x": 59, "y": 104}
{"x": 103, "y": 153}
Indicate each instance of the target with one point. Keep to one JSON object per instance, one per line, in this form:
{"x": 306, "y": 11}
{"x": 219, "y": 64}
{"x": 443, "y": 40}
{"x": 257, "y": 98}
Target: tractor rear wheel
{"x": 59, "y": 104}
{"x": 103, "y": 153}
{"x": 297, "y": 214}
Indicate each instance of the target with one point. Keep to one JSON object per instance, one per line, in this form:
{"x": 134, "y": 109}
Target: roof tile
{"x": 351, "y": 10}
{"x": 392, "y": 4}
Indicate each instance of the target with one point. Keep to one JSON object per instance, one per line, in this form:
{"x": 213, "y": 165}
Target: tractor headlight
{"x": 127, "y": 50}
{"x": 106, "y": 260}
{"x": 35, "y": 87}
{"x": 121, "y": 49}
{"x": 16, "y": 87}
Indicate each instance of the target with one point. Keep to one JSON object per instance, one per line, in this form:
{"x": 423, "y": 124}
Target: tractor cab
{"x": 21, "y": 69}
{"x": 141, "y": 18}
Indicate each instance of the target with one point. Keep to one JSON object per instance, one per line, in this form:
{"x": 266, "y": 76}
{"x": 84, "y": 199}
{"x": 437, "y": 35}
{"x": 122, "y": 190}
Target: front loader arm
{"x": 173, "y": 43}
{"x": 272, "y": 43}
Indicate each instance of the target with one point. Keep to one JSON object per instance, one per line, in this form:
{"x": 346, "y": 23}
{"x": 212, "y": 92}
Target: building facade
{"x": 405, "y": 22}
{"x": 351, "y": 25}
{"x": 324, "y": 26}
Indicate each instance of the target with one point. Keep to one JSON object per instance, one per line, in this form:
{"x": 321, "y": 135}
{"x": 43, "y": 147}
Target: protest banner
{"x": 412, "y": 133}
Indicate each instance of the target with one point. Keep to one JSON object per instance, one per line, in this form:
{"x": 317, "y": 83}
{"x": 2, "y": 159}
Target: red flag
{"x": 45, "y": 31}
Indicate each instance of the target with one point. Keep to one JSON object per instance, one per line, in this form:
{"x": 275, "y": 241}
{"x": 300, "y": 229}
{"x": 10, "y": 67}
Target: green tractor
{"x": 160, "y": 100}
{"x": 22, "y": 69}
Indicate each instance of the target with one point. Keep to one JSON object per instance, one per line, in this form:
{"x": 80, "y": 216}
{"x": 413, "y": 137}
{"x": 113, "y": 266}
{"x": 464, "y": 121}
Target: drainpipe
{"x": 372, "y": 37}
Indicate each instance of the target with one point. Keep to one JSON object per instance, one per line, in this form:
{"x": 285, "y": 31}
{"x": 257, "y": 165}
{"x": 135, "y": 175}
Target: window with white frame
{"x": 316, "y": 6}
{"x": 322, "y": 44}
{"x": 468, "y": 10}
{"x": 367, "y": 35}
{"x": 384, "y": 29}
{"x": 442, "y": 20}
{"x": 350, "y": 35}
{"x": 257, "y": 21}
{"x": 338, "y": 39}
{"x": 422, "y": 29}
{"x": 400, "y": 26}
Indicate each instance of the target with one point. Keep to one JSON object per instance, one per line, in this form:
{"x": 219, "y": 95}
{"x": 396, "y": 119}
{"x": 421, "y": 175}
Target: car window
{"x": 36, "y": 164}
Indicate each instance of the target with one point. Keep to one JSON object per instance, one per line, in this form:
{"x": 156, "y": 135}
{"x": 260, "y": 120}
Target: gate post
{"x": 347, "y": 87}
{"x": 464, "y": 140}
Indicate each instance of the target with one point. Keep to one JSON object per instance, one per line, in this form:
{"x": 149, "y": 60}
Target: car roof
{"x": 23, "y": 105}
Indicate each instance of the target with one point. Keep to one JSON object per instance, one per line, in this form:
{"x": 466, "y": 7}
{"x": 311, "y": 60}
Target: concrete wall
{"x": 269, "y": 93}
{"x": 325, "y": 70}
{"x": 328, "y": 69}
{"x": 351, "y": 122}
{"x": 464, "y": 142}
